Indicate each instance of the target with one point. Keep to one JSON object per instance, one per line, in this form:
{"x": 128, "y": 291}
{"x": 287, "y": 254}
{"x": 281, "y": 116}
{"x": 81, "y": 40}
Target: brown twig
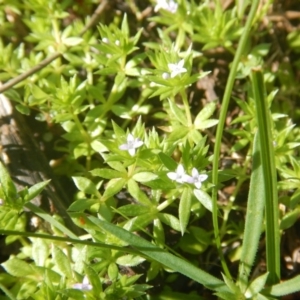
{"x": 54, "y": 56}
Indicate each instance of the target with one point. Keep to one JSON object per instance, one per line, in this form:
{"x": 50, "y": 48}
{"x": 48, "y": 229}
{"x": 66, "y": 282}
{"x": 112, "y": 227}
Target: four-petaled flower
{"x": 181, "y": 177}
{"x": 177, "y": 69}
{"x": 84, "y": 286}
{"x": 132, "y": 144}
{"x": 169, "y": 5}
{"x": 197, "y": 178}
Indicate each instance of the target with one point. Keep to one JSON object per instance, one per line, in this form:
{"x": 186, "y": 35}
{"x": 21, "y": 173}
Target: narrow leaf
{"x": 204, "y": 199}
{"x": 165, "y": 258}
{"x": 254, "y": 217}
{"x": 185, "y": 209}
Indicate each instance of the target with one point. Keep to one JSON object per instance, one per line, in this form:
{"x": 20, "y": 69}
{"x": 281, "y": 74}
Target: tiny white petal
{"x": 123, "y": 147}
{"x": 180, "y": 170}
{"x": 198, "y": 184}
{"x": 84, "y": 286}
{"x": 131, "y": 151}
{"x": 105, "y": 40}
{"x": 187, "y": 178}
{"x": 130, "y": 138}
{"x": 195, "y": 172}
{"x": 203, "y": 177}
{"x": 138, "y": 143}
{"x": 177, "y": 69}
{"x": 172, "y": 175}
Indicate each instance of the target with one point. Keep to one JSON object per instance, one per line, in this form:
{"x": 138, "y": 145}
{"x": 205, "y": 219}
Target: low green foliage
{"x": 157, "y": 174}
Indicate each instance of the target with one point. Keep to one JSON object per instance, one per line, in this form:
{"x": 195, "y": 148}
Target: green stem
{"x": 7, "y": 292}
{"x": 225, "y": 103}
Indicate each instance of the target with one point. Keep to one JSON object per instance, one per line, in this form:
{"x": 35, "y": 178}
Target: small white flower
{"x": 177, "y": 69}
{"x": 117, "y": 43}
{"x": 84, "y": 286}
{"x": 169, "y": 5}
{"x": 179, "y": 176}
{"x": 105, "y": 40}
{"x": 132, "y": 144}
{"x": 165, "y": 75}
{"x": 197, "y": 178}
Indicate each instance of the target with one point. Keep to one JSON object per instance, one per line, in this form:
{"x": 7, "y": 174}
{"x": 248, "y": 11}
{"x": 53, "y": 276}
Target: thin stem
{"x": 225, "y": 103}
{"x": 54, "y": 56}
{"x": 67, "y": 240}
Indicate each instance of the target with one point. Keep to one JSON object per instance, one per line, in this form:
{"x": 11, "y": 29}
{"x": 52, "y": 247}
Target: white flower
{"x": 169, "y": 5}
{"x": 84, "y": 286}
{"x": 105, "y": 40}
{"x": 197, "y": 178}
{"x": 177, "y": 69}
{"x": 179, "y": 176}
{"x": 132, "y": 144}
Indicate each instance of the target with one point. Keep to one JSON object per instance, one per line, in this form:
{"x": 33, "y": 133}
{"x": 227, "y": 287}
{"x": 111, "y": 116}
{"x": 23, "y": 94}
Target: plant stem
{"x": 225, "y": 103}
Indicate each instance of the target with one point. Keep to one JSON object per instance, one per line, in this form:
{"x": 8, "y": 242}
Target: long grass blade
{"x": 254, "y": 217}
{"x": 161, "y": 256}
{"x": 269, "y": 175}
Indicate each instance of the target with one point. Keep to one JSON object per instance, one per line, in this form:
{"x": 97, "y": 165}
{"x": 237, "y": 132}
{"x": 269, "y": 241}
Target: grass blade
{"x": 254, "y": 217}
{"x": 269, "y": 175}
{"x": 160, "y": 255}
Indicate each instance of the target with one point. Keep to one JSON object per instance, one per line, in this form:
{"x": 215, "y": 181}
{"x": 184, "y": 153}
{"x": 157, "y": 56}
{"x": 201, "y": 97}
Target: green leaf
{"x": 81, "y": 204}
{"x": 35, "y": 190}
{"x": 285, "y": 288}
{"x": 94, "y": 279}
{"x": 8, "y": 191}
{"x": 132, "y": 210}
{"x": 40, "y": 251}
{"x": 169, "y": 260}
{"x": 256, "y": 285}
{"x": 62, "y": 262}
{"x": 144, "y": 176}
{"x": 206, "y": 124}
{"x": 108, "y": 173}
{"x": 137, "y": 194}
{"x": 113, "y": 187}
{"x": 23, "y": 109}
{"x": 185, "y": 208}
{"x": 254, "y": 217}
{"x": 112, "y": 271}
{"x": 265, "y": 138}
{"x": 178, "y": 113}
{"x": 205, "y": 113}
{"x": 72, "y": 41}
{"x": 85, "y": 185}
{"x": 129, "y": 260}
{"x": 20, "y": 268}
{"x": 290, "y": 219}
{"x": 167, "y": 161}
{"x": 204, "y": 199}
{"x": 48, "y": 218}
{"x": 8, "y": 218}
{"x": 170, "y": 220}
